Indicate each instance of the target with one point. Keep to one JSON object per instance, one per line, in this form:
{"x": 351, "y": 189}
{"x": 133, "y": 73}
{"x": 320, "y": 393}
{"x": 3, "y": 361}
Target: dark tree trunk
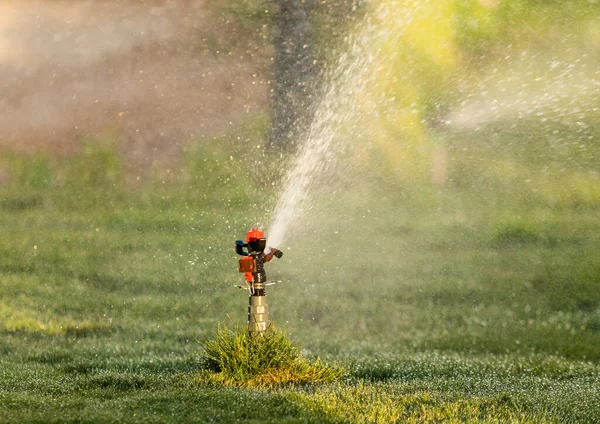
{"x": 294, "y": 73}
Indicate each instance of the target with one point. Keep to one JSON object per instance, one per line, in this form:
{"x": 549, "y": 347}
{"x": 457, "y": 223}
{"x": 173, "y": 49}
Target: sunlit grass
{"x": 243, "y": 359}
{"x": 22, "y": 320}
{"x": 382, "y": 403}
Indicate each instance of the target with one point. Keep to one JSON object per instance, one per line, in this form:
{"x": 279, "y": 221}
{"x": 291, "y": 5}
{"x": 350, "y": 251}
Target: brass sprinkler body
{"x": 252, "y": 264}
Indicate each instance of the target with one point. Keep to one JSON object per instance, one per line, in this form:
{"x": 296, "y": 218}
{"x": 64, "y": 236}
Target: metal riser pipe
{"x": 258, "y": 314}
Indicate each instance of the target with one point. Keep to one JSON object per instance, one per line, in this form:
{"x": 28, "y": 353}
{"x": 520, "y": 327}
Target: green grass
{"x": 467, "y": 303}
{"x": 241, "y": 359}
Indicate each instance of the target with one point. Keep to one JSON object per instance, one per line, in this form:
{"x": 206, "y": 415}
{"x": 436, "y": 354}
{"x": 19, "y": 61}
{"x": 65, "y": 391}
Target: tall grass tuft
{"x": 241, "y": 359}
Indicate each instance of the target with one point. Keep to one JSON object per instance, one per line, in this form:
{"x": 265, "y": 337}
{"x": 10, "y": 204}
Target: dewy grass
{"x": 239, "y": 358}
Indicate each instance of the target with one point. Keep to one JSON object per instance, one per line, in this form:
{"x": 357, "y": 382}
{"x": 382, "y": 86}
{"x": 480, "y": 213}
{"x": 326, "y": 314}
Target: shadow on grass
{"x": 21, "y": 203}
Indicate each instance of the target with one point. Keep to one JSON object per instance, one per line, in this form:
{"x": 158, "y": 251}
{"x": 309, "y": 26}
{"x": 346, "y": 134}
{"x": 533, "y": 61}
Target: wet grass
{"x": 440, "y": 305}
{"x": 241, "y": 359}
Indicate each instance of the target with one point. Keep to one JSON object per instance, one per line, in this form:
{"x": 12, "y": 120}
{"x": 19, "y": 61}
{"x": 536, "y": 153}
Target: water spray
{"x": 252, "y": 264}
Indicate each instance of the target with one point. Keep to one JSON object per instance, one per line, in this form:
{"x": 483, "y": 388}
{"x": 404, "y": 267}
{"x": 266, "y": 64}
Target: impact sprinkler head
{"x": 252, "y": 265}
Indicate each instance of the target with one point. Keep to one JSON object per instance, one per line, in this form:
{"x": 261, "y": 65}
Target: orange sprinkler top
{"x": 254, "y": 234}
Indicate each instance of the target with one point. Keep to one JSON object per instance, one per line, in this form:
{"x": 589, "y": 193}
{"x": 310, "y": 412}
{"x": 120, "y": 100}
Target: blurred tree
{"x": 294, "y": 72}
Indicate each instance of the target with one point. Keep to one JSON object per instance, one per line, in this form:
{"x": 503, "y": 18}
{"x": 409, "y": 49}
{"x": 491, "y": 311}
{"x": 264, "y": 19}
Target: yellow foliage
{"x": 433, "y": 33}
{"x": 412, "y": 57}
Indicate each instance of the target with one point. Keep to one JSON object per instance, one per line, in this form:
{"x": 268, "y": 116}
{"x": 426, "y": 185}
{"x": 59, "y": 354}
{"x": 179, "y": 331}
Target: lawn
{"x": 439, "y": 304}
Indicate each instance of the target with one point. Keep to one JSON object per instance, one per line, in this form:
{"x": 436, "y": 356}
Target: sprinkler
{"x": 252, "y": 264}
